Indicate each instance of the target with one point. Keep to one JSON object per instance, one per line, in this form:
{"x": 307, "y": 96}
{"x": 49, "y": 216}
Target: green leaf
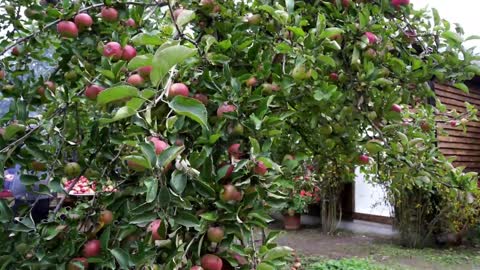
{"x": 178, "y": 182}
{"x": 191, "y": 108}
{"x": 6, "y": 213}
{"x": 105, "y": 238}
{"x": 138, "y": 160}
{"x": 122, "y": 257}
{"x": 12, "y": 130}
{"x": 209, "y": 216}
{"x": 165, "y": 58}
{"x": 452, "y": 36}
{"x": 277, "y": 252}
{"x": 121, "y": 113}
{"x": 265, "y": 266}
{"x": 327, "y": 60}
{"x": 143, "y": 218}
{"x": 28, "y": 180}
{"x": 185, "y": 17}
{"x": 436, "y": 16}
{"x": 152, "y": 188}
{"x": 140, "y": 61}
{"x": 330, "y": 32}
{"x": 462, "y": 87}
{"x": 297, "y": 31}
{"x": 116, "y": 93}
{"x": 149, "y": 153}
{"x": 164, "y": 197}
{"x": 186, "y": 219}
{"x": 255, "y": 146}
{"x": 148, "y": 39}
{"x": 168, "y": 155}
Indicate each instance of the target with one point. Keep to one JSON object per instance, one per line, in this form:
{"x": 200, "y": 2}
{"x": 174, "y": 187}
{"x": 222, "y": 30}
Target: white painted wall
{"x": 369, "y": 198}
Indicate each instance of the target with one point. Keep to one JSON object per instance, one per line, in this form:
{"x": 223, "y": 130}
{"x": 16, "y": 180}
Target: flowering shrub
{"x": 300, "y": 185}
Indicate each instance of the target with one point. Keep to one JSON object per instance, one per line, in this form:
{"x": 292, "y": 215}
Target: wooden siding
{"x": 464, "y": 146}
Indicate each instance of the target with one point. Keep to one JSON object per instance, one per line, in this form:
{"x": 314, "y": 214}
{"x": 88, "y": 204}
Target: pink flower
{"x": 303, "y": 193}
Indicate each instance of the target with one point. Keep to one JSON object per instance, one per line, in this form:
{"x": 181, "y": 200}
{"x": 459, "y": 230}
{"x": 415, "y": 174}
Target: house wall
{"x": 370, "y": 199}
{"x": 465, "y": 146}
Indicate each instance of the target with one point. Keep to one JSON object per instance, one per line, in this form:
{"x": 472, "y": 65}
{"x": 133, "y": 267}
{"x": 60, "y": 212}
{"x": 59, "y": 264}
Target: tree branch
{"x": 48, "y": 25}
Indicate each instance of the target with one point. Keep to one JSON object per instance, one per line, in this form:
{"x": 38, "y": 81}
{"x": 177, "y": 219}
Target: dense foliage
{"x": 175, "y": 114}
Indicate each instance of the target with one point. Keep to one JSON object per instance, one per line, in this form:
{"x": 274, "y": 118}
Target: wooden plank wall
{"x": 465, "y": 146}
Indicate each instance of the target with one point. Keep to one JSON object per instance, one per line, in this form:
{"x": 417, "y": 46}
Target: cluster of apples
{"x": 82, "y": 187}
{"x": 84, "y": 21}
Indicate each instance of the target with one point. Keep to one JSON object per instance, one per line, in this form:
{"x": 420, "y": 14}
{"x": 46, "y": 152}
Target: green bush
{"x": 344, "y": 264}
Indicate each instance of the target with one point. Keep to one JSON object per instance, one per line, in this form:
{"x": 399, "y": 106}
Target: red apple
{"x": 215, "y": 234}
{"x": 67, "y": 29}
{"x": 113, "y": 49}
{"x": 371, "y": 53}
{"x": 396, "y": 108}
{"x": 372, "y": 38}
{"x": 251, "y": 82}
{"x": 15, "y": 51}
{"x": 75, "y": 262}
{"x": 153, "y": 228}
{"x": 333, "y": 76}
{"x": 269, "y": 88}
{"x": 92, "y": 248}
{"x": 129, "y": 52}
{"x": 346, "y": 3}
{"x": 234, "y": 150}
{"x": 398, "y": 3}
{"x": 92, "y": 91}
{"x": 50, "y": 85}
{"x": 211, "y": 262}
{"x": 229, "y": 172}
{"x": 83, "y": 20}
{"x": 207, "y": 2}
{"x": 177, "y": 12}
{"x": 453, "y": 123}
{"x": 254, "y": 19}
{"x": 135, "y": 80}
{"x": 229, "y": 193}
{"x": 106, "y": 217}
{"x": 178, "y": 89}
{"x": 238, "y": 196}
{"x": 260, "y": 168}
{"x": 225, "y": 108}
{"x": 363, "y": 159}
{"x": 131, "y": 23}
{"x": 160, "y": 145}
{"x": 145, "y": 71}
{"x": 201, "y": 97}
{"x": 109, "y": 14}
{"x": 38, "y": 166}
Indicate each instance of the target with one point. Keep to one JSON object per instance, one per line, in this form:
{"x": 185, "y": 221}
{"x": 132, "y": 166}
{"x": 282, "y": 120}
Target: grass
{"x": 343, "y": 264}
{"x": 393, "y": 257}
{"x": 445, "y": 257}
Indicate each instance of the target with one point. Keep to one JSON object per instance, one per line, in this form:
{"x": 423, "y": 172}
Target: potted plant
{"x": 302, "y": 191}
{"x": 296, "y": 207}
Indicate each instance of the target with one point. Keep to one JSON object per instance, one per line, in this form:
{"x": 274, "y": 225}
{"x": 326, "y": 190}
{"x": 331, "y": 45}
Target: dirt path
{"x": 315, "y": 246}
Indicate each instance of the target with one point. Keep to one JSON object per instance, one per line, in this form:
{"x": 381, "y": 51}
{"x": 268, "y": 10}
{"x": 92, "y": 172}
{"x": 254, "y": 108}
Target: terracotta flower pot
{"x": 292, "y": 222}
